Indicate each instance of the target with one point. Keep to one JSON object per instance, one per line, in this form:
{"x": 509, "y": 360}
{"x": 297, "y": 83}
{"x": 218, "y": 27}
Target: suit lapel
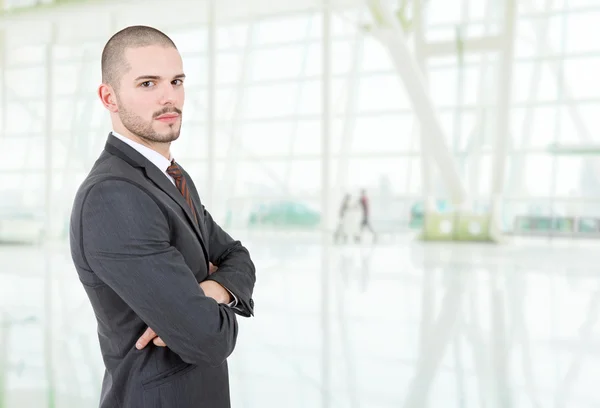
{"x": 154, "y": 174}
{"x": 133, "y": 157}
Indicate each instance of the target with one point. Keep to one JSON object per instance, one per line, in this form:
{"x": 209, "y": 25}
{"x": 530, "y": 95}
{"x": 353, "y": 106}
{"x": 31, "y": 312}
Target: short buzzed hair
{"x": 113, "y": 55}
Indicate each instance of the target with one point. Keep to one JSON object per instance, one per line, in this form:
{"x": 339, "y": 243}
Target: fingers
{"x": 146, "y": 338}
{"x": 212, "y": 268}
{"x": 158, "y": 342}
{"x": 149, "y": 336}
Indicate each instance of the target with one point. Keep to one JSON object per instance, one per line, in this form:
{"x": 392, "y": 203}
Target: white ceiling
{"x": 97, "y": 20}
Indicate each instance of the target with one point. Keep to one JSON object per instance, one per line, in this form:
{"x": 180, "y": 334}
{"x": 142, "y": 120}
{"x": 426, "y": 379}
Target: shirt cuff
{"x": 234, "y": 302}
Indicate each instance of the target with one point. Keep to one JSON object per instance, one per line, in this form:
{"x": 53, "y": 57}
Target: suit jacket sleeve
{"x": 126, "y": 244}
{"x": 236, "y": 270}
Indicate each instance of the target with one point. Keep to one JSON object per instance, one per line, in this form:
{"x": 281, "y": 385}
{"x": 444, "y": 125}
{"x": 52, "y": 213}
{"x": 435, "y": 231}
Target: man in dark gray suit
{"x": 145, "y": 247}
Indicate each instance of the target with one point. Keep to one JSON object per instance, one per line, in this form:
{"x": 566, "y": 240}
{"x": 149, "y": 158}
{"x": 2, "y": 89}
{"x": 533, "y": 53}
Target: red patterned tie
{"x": 175, "y": 171}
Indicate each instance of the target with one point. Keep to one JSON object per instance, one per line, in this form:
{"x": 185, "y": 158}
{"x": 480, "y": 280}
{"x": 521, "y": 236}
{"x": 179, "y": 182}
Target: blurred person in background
{"x": 343, "y": 224}
{"x": 166, "y": 282}
{"x": 365, "y": 222}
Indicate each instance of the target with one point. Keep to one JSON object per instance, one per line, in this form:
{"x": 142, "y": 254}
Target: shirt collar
{"x": 155, "y": 158}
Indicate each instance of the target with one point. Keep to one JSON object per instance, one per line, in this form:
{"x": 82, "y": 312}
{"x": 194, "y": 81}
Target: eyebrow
{"x": 156, "y": 77}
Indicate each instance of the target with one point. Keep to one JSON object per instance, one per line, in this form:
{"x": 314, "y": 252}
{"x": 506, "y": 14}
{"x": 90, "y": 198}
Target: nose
{"x": 168, "y": 95}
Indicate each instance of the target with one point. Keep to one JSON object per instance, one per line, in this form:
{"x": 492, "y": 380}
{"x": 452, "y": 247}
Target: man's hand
{"x": 147, "y": 337}
{"x": 211, "y": 289}
{"x": 216, "y": 291}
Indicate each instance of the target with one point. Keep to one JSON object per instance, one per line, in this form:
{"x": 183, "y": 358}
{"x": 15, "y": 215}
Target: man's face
{"x": 150, "y": 96}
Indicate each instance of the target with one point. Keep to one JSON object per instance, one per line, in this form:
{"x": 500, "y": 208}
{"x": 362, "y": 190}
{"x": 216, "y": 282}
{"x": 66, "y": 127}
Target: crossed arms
{"x": 134, "y": 257}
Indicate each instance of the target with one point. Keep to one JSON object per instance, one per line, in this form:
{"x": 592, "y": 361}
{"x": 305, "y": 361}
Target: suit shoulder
{"x": 109, "y": 167}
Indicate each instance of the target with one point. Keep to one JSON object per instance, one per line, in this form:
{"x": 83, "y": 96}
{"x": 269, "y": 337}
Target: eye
{"x": 146, "y": 84}
{"x": 177, "y": 82}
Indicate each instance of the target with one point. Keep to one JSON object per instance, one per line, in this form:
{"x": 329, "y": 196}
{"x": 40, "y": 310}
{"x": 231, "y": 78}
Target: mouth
{"x": 168, "y": 117}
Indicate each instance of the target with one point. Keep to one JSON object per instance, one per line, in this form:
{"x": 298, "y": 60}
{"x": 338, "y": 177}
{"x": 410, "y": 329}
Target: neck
{"x": 164, "y": 149}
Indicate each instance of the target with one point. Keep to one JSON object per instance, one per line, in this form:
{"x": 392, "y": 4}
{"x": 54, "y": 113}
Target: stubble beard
{"x": 144, "y": 130}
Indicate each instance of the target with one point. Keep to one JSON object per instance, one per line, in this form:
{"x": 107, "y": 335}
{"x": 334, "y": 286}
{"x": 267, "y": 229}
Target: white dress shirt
{"x": 163, "y": 164}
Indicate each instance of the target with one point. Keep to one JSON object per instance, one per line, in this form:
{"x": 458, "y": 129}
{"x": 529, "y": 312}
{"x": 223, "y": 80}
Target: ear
{"x": 108, "y": 97}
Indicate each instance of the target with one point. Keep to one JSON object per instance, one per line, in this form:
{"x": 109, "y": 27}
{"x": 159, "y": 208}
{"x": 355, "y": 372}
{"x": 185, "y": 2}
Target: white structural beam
{"x": 516, "y": 181}
{"x": 48, "y": 139}
{"x": 210, "y": 106}
{"x": 473, "y": 45}
{"x": 391, "y": 35}
{"x": 326, "y": 119}
{"x": 554, "y": 65}
{"x": 234, "y": 148}
{"x": 3, "y": 83}
{"x": 426, "y": 163}
{"x": 66, "y": 14}
{"x": 72, "y": 145}
{"x": 476, "y": 137}
{"x": 352, "y": 85}
{"x": 48, "y": 221}
{"x": 576, "y": 149}
{"x": 297, "y": 104}
{"x": 504, "y": 100}
{"x": 326, "y": 93}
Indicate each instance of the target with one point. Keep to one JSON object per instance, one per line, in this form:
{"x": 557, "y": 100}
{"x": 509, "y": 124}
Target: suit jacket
{"x": 140, "y": 257}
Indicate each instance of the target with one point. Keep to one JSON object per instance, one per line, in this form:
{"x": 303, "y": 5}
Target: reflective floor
{"x": 397, "y": 324}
